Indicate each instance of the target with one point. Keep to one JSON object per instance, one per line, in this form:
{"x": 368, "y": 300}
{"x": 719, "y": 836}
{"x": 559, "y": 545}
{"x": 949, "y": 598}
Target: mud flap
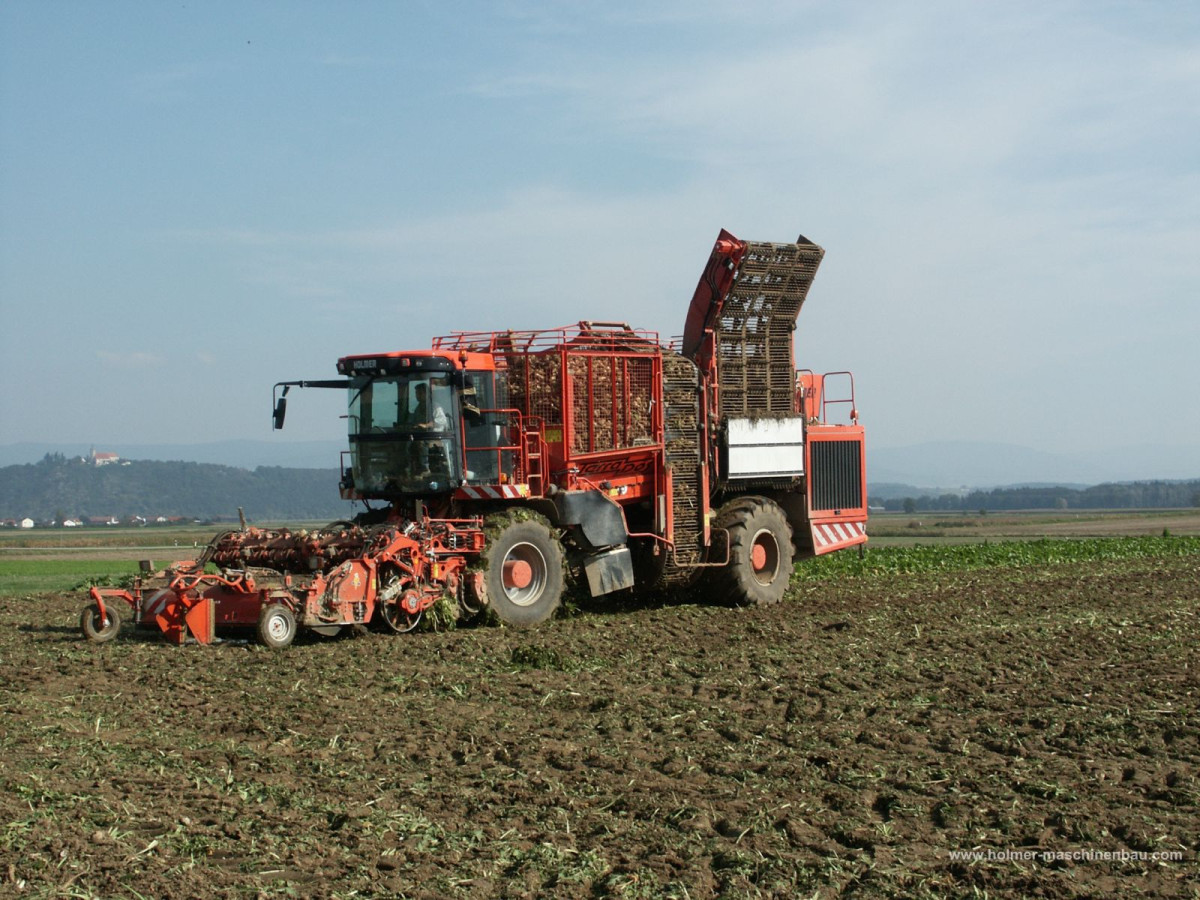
{"x": 170, "y": 620}
{"x": 200, "y": 620}
{"x": 599, "y": 518}
{"x": 611, "y": 570}
{"x": 178, "y": 617}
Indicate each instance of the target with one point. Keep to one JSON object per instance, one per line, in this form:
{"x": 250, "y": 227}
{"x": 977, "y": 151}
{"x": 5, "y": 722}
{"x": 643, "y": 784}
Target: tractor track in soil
{"x": 844, "y": 742}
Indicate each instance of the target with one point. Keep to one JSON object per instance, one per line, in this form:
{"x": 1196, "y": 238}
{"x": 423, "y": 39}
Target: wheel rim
{"x": 396, "y": 612}
{"x": 764, "y": 556}
{"x": 277, "y": 627}
{"x": 524, "y": 574}
{"x": 400, "y": 621}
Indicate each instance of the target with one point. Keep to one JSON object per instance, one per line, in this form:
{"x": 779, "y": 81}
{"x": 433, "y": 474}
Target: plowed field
{"x": 857, "y": 739}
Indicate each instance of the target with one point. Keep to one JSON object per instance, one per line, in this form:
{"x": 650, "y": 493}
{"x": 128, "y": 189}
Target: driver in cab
{"x": 431, "y": 417}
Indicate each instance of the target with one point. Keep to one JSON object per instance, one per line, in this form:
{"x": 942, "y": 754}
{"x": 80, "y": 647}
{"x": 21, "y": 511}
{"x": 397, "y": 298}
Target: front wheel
{"x": 276, "y": 626}
{"x": 760, "y": 551}
{"x": 524, "y": 572}
{"x": 97, "y": 627}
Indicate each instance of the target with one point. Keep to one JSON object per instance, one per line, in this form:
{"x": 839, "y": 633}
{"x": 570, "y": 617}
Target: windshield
{"x": 402, "y": 434}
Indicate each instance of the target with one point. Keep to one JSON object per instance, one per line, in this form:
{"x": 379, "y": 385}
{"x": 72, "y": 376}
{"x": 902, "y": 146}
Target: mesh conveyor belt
{"x": 754, "y": 331}
{"x": 681, "y": 380}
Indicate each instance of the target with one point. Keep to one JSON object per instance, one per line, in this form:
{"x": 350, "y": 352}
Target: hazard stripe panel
{"x": 829, "y": 536}
{"x": 492, "y": 492}
{"x": 155, "y": 604}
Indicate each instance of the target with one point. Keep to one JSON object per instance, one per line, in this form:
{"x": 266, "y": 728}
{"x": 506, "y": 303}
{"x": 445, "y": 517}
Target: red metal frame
{"x": 428, "y": 557}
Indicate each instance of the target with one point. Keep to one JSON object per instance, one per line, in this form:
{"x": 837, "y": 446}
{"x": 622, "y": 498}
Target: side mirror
{"x": 281, "y": 407}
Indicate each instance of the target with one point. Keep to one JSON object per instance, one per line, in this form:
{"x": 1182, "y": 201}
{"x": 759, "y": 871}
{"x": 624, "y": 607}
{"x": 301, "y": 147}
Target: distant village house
{"x": 104, "y": 459}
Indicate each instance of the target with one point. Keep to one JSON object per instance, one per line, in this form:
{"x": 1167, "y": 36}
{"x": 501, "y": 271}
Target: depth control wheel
{"x": 276, "y": 626}
{"x": 403, "y": 613}
{"x": 398, "y": 608}
{"x": 100, "y": 628}
{"x": 524, "y": 571}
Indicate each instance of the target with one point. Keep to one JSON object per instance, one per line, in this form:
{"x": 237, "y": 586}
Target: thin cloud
{"x": 176, "y": 83}
{"x": 340, "y": 61}
{"x": 130, "y": 359}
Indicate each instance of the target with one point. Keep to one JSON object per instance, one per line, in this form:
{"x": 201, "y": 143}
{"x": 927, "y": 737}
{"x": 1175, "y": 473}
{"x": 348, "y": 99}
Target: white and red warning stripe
{"x": 828, "y": 536}
{"x": 155, "y": 603}
{"x": 492, "y": 492}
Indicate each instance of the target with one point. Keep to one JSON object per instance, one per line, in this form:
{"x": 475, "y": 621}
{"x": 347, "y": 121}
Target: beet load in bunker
{"x": 494, "y": 464}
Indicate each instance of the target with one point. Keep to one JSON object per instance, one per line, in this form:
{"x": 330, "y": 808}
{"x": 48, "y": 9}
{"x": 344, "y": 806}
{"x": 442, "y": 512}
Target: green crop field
{"x": 19, "y": 577}
{"x": 917, "y": 558}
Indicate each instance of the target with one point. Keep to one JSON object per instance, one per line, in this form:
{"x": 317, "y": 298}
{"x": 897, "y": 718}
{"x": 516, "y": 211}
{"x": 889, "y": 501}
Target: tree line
{"x": 58, "y": 487}
{"x": 1125, "y": 495}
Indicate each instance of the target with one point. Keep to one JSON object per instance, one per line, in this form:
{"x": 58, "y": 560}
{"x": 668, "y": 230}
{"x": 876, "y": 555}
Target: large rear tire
{"x": 523, "y": 571}
{"x": 760, "y": 551}
{"x": 98, "y": 628}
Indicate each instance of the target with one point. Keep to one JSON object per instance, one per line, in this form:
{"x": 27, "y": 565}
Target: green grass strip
{"x": 35, "y": 576}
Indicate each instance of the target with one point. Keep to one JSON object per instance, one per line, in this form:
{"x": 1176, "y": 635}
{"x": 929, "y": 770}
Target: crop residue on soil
{"x": 846, "y": 741}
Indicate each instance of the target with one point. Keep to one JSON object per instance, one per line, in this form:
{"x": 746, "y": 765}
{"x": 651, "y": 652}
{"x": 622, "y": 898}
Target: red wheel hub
{"x": 411, "y": 602}
{"x": 758, "y": 556}
{"x": 517, "y": 574}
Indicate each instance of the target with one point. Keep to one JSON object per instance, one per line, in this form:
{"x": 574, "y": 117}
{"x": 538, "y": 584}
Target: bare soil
{"x": 845, "y": 742}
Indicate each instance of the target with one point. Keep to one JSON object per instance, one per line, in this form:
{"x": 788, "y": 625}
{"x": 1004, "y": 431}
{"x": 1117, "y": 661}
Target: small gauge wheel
{"x": 99, "y": 627}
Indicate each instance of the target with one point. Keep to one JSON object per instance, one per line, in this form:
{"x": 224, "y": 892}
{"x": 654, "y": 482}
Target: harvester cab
{"x": 421, "y": 424}
{"x": 404, "y": 426}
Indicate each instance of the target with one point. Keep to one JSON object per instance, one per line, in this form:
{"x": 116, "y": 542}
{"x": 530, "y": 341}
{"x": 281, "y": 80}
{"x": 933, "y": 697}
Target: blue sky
{"x": 200, "y": 199}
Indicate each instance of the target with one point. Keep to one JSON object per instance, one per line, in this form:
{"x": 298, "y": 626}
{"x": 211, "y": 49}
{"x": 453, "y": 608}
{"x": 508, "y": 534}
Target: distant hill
{"x": 934, "y": 467}
{"x": 298, "y": 480}
{"x": 59, "y": 486}
{"x": 956, "y": 465}
{"x": 242, "y": 454}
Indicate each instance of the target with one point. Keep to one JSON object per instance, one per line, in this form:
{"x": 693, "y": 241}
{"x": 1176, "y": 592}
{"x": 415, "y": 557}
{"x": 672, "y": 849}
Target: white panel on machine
{"x": 760, "y": 448}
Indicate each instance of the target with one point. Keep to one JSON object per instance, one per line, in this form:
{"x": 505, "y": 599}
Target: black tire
{"x": 98, "y": 628}
{"x": 760, "y": 551}
{"x": 276, "y": 626}
{"x": 531, "y": 590}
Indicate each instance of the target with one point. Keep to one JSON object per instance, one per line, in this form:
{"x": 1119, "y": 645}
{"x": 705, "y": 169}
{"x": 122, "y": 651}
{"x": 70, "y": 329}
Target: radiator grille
{"x": 836, "y": 475}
